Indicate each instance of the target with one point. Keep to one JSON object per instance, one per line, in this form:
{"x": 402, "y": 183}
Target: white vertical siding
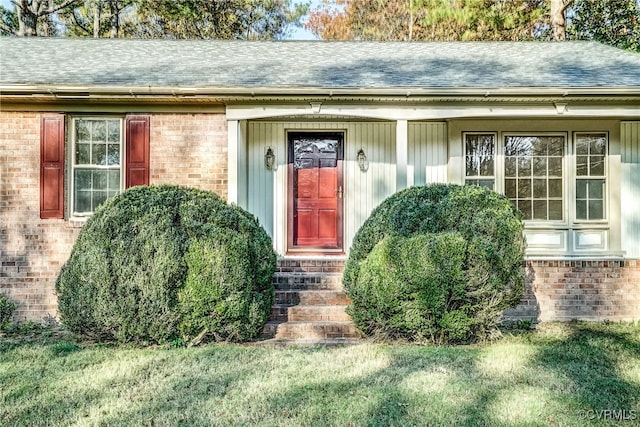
{"x": 363, "y": 191}
{"x": 427, "y": 152}
{"x": 630, "y": 187}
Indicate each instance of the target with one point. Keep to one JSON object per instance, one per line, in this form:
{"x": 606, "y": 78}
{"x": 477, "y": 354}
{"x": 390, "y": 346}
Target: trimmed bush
{"x": 7, "y": 307}
{"x": 157, "y": 263}
{"x": 438, "y": 263}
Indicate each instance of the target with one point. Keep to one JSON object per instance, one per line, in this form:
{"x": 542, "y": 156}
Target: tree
{"x": 223, "y": 19}
{"x": 614, "y": 22}
{"x": 428, "y": 19}
{"x": 557, "y": 17}
{"x": 33, "y": 17}
{"x": 98, "y": 18}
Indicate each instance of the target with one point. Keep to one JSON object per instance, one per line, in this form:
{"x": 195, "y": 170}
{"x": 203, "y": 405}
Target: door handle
{"x": 339, "y": 192}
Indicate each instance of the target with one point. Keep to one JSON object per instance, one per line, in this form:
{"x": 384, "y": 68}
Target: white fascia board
{"x": 433, "y": 112}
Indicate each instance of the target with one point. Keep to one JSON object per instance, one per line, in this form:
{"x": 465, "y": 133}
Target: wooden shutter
{"x": 52, "y": 166}
{"x": 137, "y": 151}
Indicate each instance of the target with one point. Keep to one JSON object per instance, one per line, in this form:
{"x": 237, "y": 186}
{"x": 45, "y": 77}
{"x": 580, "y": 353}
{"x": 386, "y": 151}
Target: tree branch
{"x": 3, "y": 27}
{"x": 53, "y": 9}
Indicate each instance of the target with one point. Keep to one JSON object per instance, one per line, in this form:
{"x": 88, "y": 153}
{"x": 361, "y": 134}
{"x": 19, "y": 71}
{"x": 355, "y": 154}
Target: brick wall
{"x": 191, "y": 150}
{"x": 588, "y": 290}
{"x": 186, "y": 149}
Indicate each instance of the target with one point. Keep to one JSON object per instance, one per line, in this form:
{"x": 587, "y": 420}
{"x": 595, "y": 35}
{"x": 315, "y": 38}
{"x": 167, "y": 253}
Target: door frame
{"x": 304, "y": 250}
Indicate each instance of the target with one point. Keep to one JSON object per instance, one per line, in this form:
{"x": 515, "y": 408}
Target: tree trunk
{"x": 558, "y": 22}
{"x": 115, "y": 19}
{"x": 27, "y": 19}
{"x": 96, "y": 20}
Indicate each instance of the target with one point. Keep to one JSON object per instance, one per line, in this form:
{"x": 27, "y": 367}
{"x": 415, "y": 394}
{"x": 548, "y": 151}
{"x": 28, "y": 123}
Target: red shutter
{"x": 137, "y": 142}
{"x": 52, "y": 166}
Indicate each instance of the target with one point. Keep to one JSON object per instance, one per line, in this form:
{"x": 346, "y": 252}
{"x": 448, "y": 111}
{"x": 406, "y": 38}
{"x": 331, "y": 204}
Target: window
{"x": 480, "y": 159}
{"x": 96, "y": 166}
{"x": 533, "y": 175}
{"x": 96, "y": 162}
{"x": 591, "y": 152}
{"x": 537, "y": 173}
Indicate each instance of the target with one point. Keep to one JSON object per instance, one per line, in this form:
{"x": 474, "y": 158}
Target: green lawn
{"x": 561, "y": 375}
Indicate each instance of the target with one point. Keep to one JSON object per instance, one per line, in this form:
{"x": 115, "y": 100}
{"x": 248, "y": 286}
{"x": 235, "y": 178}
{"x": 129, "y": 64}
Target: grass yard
{"x": 561, "y": 375}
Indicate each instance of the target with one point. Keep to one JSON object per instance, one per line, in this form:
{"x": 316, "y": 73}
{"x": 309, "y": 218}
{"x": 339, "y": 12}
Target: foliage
{"x": 154, "y": 262}
{"x": 428, "y": 20}
{"x": 613, "y": 22}
{"x": 7, "y": 307}
{"x": 33, "y": 17}
{"x": 225, "y": 19}
{"x": 100, "y": 18}
{"x": 439, "y": 262}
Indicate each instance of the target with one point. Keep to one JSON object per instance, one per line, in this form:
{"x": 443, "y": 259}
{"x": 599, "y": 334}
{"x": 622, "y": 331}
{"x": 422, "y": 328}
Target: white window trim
{"x": 72, "y": 164}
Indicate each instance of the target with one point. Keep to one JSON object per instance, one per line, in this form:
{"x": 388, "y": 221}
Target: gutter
{"x": 75, "y": 92}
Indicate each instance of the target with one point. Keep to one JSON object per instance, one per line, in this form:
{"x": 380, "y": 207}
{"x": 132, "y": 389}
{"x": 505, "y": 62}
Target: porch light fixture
{"x": 363, "y": 163}
{"x": 269, "y": 159}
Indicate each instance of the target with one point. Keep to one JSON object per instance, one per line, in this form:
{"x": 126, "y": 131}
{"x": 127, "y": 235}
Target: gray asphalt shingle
{"x": 221, "y": 64}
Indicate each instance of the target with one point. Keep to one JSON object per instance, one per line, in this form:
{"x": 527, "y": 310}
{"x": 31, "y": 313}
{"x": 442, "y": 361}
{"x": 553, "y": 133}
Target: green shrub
{"x": 154, "y": 264}
{"x": 7, "y": 307}
{"x": 438, "y": 262}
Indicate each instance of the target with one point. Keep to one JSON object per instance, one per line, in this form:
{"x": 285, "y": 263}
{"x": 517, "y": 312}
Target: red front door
{"x": 315, "y": 191}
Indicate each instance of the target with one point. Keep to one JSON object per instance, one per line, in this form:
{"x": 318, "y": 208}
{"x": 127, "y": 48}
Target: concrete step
{"x": 312, "y": 297}
{"x": 318, "y": 313}
{"x": 318, "y": 265}
{"x": 306, "y": 281}
{"x": 309, "y": 330}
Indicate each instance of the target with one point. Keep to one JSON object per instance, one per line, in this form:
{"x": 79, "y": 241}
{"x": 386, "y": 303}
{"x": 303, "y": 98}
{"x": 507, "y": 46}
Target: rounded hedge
{"x": 158, "y": 263}
{"x": 437, "y": 262}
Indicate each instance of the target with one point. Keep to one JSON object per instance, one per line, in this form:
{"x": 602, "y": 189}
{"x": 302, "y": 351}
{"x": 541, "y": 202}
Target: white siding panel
{"x": 363, "y": 191}
{"x": 428, "y": 152}
{"x": 630, "y": 187}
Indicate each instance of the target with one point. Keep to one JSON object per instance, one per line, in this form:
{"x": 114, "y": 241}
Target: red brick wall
{"x": 186, "y": 149}
{"x": 588, "y": 290}
{"x": 191, "y": 150}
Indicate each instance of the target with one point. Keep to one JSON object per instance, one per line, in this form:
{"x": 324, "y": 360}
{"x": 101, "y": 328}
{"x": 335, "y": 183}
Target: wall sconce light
{"x": 269, "y": 159}
{"x": 363, "y": 163}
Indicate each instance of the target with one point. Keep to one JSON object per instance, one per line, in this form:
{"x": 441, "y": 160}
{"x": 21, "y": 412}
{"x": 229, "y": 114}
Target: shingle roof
{"x": 296, "y": 64}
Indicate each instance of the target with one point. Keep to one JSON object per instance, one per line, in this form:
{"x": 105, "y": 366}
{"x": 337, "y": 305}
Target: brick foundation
{"x": 186, "y": 149}
{"x": 586, "y": 289}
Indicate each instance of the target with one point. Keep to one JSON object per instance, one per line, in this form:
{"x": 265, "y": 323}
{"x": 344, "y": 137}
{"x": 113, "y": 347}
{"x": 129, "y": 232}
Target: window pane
{"x": 113, "y": 154}
{"x": 510, "y": 166}
{"x": 82, "y": 179}
{"x": 540, "y": 209}
{"x": 99, "y": 154}
{"x": 83, "y": 154}
{"x": 555, "y": 210}
{"x": 581, "y": 189}
{"x": 525, "y": 208}
{"x": 486, "y": 167}
{"x": 596, "y": 188}
{"x": 582, "y": 168}
{"x": 510, "y": 188}
{"x": 540, "y": 166}
{"x": 556, "y": 145}
{"x": 596, "y": 165}
{"x": 524, "y": 166}
{"x": 555, "y": 166}
{"x": 581, "y": 209}
{"x": 99, "y": 131}
{"x": 82, "y": 201}
{"x": 100, "y": 180}
{"x": 83, "y": 134}
{"x": 596, "y": 210}
{"x": 524, "y": 188}
{"x": 540, "y": 188}
{"x": 99, "y": 197}
{"x": 472, "y": 166}
{"x": 113, "y": 134}
{"x": 582, "y": 146}
{"x": 555, "y": 188}
{"x": 113, "y": 177}
{"x": 598, "y": 144}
